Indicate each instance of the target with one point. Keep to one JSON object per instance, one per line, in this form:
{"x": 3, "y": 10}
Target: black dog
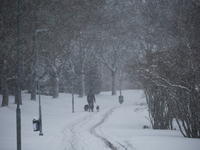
{"x": 86, "y": 107}
{"x": 97, "y": 108}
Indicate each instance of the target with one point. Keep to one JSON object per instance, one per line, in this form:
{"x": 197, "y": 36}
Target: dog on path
{"x": 97, "y": 108}
{"x": 86, "y": 107}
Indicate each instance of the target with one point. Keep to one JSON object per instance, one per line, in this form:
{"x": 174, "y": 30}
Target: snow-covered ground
{"x": 115, "y": 126}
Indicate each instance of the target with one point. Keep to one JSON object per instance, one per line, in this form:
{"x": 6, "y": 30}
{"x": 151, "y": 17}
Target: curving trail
{"x": 86, "y": 133}
{"x": 96, "y": 131}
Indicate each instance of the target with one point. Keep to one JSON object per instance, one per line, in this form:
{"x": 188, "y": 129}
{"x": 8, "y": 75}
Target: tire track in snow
{"x": 104, "y": 137}
{"x": 73, "y": 136}
{"x": 77, "y": 133}
{"x": 93, "y": 130}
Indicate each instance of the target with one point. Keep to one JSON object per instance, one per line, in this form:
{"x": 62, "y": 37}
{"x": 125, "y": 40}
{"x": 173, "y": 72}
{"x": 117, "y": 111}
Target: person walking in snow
{"x": 91, "y": 99}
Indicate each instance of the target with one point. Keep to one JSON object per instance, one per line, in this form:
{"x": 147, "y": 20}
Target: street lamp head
{"x": 41, "y": 30}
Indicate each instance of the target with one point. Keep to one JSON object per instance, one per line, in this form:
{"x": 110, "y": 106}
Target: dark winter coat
{"x": 90, "y": 98}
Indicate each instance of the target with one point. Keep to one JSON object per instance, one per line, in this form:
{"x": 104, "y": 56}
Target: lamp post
{"x": 18, "y": 111}
{"x": 38, "y": 80}
{"x": 73, "y": 93}
{"x": 120, "y": 82}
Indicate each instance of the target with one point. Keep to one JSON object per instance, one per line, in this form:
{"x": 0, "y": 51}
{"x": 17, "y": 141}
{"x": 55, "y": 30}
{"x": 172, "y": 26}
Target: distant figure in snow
{"x": 91, "y": 99}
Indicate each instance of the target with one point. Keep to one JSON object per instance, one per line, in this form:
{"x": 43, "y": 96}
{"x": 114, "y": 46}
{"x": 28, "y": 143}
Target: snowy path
{"x": 86, "y": 133}
{"x": 115, "y": 127}
{"x": 97, "y": 131}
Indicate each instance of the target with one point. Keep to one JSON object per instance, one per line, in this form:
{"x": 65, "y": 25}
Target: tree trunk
{"x": 4, "y": 85}
{"x": 33, "y": 87}
{"x": 33, "y": 92}
{"x": 20, "y": 95}
{"x": 55, "y": 85}
{"x": 113, "y": 74}
{"x": 82, "y": 85}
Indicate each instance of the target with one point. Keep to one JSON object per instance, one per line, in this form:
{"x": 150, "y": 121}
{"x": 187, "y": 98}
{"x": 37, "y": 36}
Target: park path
{"x": 86, "y": 133}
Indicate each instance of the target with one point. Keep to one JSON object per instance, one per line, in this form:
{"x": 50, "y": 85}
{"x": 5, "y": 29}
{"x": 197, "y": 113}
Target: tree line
{"x": 169, "y": 68}
{"x": 80, "y": 44}
{"x": 88, "y": 42}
